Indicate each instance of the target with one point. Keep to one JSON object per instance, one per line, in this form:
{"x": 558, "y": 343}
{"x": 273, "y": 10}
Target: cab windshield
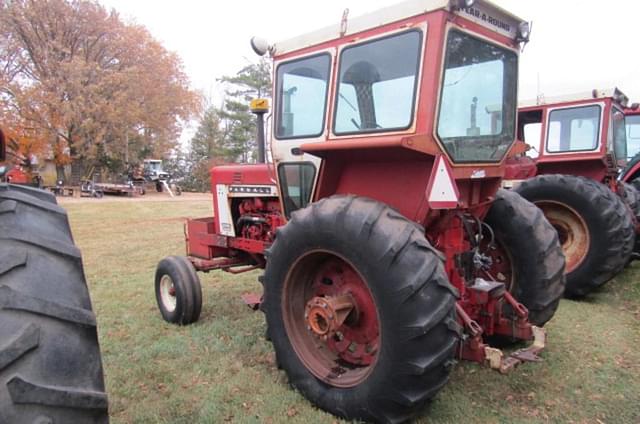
{"x": 476, "y": 121}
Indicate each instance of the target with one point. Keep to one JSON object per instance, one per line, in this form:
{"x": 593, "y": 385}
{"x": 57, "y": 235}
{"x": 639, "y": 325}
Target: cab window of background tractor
{"x": 532, "y": 135}
{"x": 476, "y": 122}
{"x": 296, "y": 184}
{"x": 619, "y": 136}
{"x": 377, "y": 84}
{"x": 301, "y": 89}
{"x": 632, "y": 123}
{"x": 574, "y": 129}
{"x": 530, "y": 130}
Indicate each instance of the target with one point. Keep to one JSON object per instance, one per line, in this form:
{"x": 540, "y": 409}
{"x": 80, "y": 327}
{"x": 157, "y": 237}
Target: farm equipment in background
{"x": 91, "y": 185}
{"x": 152, "y": 175}
{"x": 579, "y": 146}
{"x": 50, "y": 364}
{"x": 17, "y": 168}
{"x": 389, "y": 248}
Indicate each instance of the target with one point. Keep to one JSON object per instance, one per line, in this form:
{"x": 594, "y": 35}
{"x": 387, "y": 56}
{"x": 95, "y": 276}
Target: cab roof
{"x": 612, "y": 93}
{"x": 387, "y": 15}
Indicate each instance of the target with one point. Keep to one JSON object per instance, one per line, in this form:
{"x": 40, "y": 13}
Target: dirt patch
{"x": 148, "y": 197}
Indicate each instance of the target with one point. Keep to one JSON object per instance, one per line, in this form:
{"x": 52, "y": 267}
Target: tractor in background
{"x": 17, "y": 168}
{"x": 50, "y": 364}
{"x": 151, "y": 174}
{"x": 578, "y": 146}
{"x": 389, "y": 248}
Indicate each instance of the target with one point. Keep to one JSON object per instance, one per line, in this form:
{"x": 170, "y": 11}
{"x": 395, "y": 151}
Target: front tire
{"x": 595, "y": 229}
{"x": 393, "y": 353}
{"x": 178, "y": 290}
{"x": 528, "y": 246}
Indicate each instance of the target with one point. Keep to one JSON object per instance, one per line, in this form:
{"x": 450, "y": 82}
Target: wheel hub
{"x": 331, "y": 318}
{"x": 168, "y": 293}
{"x": 325, "y": 315}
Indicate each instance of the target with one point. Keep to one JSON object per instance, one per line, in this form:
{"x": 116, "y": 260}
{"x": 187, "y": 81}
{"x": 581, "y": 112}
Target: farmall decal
{"x": 491, "y": 19}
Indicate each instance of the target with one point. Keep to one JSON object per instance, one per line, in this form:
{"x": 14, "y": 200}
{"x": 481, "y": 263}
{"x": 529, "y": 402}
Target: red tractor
{"x": 18, "y": 169}
{"x": 579, "y": 145}
{"x": 389, "y": 248}
{"x": 50, "y": 366}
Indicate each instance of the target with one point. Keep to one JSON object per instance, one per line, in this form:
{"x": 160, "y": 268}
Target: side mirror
{"x": 260, "y": 46}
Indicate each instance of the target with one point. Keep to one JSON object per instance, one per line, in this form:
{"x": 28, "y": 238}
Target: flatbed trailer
{"x": 117, "y": 189}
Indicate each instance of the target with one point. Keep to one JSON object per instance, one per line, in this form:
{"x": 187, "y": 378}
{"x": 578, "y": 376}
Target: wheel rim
{"x": 572, "y": 231}
{"x": 167, "y": 293}
{"x": 331, "y": 319}
{"x": 501, "y": 268}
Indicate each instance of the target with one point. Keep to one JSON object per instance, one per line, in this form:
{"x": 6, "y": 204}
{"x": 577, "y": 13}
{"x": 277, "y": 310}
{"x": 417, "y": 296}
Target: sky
{"x": 575, "y": 46}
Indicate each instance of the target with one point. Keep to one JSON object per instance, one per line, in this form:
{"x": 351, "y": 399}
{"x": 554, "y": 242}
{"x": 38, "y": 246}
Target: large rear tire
{"x": 527, "y": 255}
{"x": 594, "y": 226}
{"x": 50, "y": 366}
{"x": 395, "y": 349}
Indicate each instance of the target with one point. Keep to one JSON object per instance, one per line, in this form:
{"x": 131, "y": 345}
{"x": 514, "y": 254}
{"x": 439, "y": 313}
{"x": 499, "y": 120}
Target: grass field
{"x": 221, "y": 369}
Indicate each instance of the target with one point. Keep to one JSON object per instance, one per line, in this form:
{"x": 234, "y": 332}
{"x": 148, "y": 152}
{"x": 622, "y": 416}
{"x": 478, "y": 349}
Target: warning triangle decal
{"x": 442, "y": 191}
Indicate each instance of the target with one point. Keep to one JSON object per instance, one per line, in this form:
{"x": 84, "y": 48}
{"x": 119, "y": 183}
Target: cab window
{"x": 476, "y": 120}
{"x": 574, "y": 129}
{"x": 296, "y": 184}
{"x": 632, "y": 123}
{"x": 619, "y": 136}
{"x": 301, "y": 90}
{"x": 377, "y": 84}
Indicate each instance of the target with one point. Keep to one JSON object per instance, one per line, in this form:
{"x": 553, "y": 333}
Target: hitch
{"x": 497, "y": 361}
{"x": 487, "y": 299}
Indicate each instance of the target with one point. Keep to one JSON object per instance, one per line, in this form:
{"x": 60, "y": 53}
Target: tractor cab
{"x": 153, "y": 170}
{"x": 582, "y": 134}
{"x": 405, "y": 89}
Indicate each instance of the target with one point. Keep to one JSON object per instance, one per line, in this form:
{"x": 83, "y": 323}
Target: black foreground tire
{"x": 50, "y": 365}
{"x": 414, "y": 301}
{"x": 178, "y": 290}
{"x": 532, "y": 247}
{"x": 595, "y": 229}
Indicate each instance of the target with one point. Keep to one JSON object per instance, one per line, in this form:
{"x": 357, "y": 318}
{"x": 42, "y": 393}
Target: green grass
{"x": 221, "y": 369}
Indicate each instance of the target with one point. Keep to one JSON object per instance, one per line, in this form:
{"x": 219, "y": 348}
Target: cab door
{"x": 300, "y": 115}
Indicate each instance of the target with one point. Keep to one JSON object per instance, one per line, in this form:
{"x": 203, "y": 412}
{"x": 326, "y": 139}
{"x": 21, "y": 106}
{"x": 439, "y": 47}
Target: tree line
{"x": 79, "y": 84}
{"x": 226, "y": 134}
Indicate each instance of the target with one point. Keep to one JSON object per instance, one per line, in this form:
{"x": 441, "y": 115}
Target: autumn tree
{"x": 102, "y": 90}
